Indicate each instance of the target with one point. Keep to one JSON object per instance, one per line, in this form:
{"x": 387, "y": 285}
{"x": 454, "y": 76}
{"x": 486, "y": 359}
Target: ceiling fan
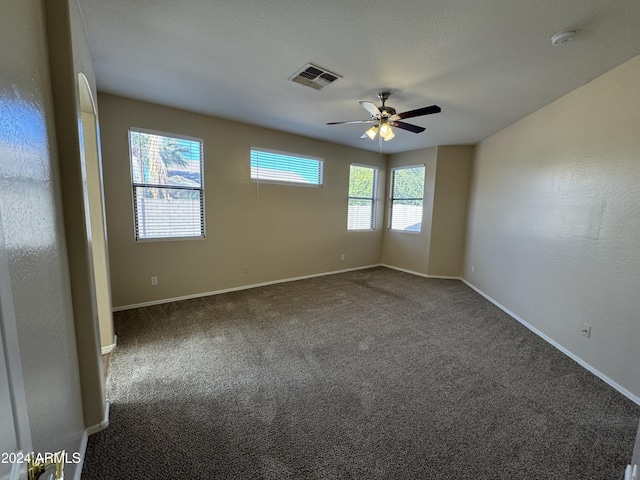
{"x": 384, "y": 117}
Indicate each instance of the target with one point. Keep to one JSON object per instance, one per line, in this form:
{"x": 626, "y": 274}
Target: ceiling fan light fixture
{"x": 372, "y": 132}
{"x": 386, "y": 132}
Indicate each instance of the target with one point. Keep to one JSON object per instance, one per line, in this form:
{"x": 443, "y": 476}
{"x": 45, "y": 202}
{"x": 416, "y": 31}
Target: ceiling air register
{"x": 313, "y": 76}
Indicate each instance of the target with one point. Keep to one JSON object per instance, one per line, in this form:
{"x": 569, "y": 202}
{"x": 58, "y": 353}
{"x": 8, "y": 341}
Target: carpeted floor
{"x": 372, "y": 374}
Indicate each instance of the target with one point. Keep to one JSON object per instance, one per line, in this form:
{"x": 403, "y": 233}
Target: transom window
{"x": 168, "y": 194}
{"x": 362, "y": 198}
{"x": 281, "y": 167}
{"x": 407, "y": 192}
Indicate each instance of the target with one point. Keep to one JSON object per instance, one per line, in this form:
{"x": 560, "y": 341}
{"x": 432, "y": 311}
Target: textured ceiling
{"x": 487, "y": 63}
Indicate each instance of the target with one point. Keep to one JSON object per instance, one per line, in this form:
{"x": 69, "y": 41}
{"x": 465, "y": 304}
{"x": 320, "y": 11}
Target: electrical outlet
{"x": 473, "y": 269}
{"x": 586, "y": 330}
{"x": 154, "y": 280}
{"x": 342, "y": 257}
{"x": 245, "y": 269}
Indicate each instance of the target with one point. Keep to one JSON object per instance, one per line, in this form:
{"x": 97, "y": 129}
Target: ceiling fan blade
{"x": 408, "y": 126}
{"x": 371, "y": 108}
{"x": 352, "y": 121}
{"x": 416, "y": 113}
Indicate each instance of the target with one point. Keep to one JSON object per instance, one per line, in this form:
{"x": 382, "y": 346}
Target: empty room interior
{"x": 324, "y": 240}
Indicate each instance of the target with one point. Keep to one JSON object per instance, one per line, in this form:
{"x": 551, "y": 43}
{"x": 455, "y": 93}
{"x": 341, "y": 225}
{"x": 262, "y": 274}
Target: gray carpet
{"x": 373, "y": 374}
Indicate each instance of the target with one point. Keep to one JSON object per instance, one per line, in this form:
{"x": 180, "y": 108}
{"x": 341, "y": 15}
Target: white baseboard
{"x": 103, "y": 424}
{"x": 85, "y": 438}
{"x": 568, "y": 353}
{"x": 236, "y": 289}
{"x": 445, "y": 277}
{"x": 83, "y": 450}
{"x": 110, "y": 348}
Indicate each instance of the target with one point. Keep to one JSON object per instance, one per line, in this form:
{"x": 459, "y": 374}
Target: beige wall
{"x": 30, "y": 211}
{"x": 98, "y": 233}
{"x": 449, "y": 218}
{"x": 554, "y": 222}
{"x": 275, "y": 231}
{"x": 68, "y": 57}
{"x": 438, "y": 249}
{"x": 409, "y": 250}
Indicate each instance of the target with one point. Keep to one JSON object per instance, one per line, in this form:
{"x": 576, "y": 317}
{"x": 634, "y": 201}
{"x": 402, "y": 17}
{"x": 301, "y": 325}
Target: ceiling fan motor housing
{"x": 387, "y": 111}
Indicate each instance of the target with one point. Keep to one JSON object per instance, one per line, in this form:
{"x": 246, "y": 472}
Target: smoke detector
{"x": 563, "y": 37}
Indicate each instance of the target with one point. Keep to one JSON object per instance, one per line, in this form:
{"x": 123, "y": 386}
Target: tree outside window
{"x": 167, "y": 185}
{"x": 407, "y": 192}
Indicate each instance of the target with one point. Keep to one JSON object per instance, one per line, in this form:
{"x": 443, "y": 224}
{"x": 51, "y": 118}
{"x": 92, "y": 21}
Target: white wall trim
{"x": 103, "y": 424}
{"x": 82, "y": 451}
{"x": 573, "y": 356}
{"x": 85, "y": 439}
{"x": 445, "y": 277}
{"x": 235, "y": 289}
{"x": 110, "y": 348}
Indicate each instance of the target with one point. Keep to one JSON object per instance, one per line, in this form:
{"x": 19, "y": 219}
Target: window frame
{"x": 373, "y": 198}
{"x": 200, "y": 189}
{"x": 392, "y": 199}
{"x": 287, "y": 182}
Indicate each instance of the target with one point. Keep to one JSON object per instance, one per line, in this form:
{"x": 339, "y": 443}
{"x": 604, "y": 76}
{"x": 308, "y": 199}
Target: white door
{"x": 15, "y": 439}
{"x": 10, "y": 449}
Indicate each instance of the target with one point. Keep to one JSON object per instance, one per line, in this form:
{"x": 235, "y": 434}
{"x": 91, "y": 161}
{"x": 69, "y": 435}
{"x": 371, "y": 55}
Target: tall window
{"x": 168, "y": 195}
{"x": 280, "y": 167}
{"x": 407, "y": 191}
{"x": 362, "y": 198}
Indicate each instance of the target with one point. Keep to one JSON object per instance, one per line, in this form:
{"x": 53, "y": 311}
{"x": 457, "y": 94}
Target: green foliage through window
{"x": 362, "y": 196}
{"x": 407, "y": 192}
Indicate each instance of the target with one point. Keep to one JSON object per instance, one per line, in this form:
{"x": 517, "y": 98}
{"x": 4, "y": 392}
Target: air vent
{"x": 313, "y": 76}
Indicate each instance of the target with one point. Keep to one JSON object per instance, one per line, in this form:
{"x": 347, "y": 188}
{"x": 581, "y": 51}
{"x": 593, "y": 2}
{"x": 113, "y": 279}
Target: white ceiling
{"x": 487, "y": 63}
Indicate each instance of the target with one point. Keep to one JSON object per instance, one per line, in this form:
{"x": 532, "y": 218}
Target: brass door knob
{"x": 39, "y": 464}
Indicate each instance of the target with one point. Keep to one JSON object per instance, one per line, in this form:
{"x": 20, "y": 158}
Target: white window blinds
{"x": 280, "y": 167}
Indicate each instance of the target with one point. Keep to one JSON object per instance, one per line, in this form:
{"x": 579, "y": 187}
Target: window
{"x": 168, "y": 196}
{"x": 407, "y": 190}
{"x": 362, "y": 198}
{"x": 280, "y": 167}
